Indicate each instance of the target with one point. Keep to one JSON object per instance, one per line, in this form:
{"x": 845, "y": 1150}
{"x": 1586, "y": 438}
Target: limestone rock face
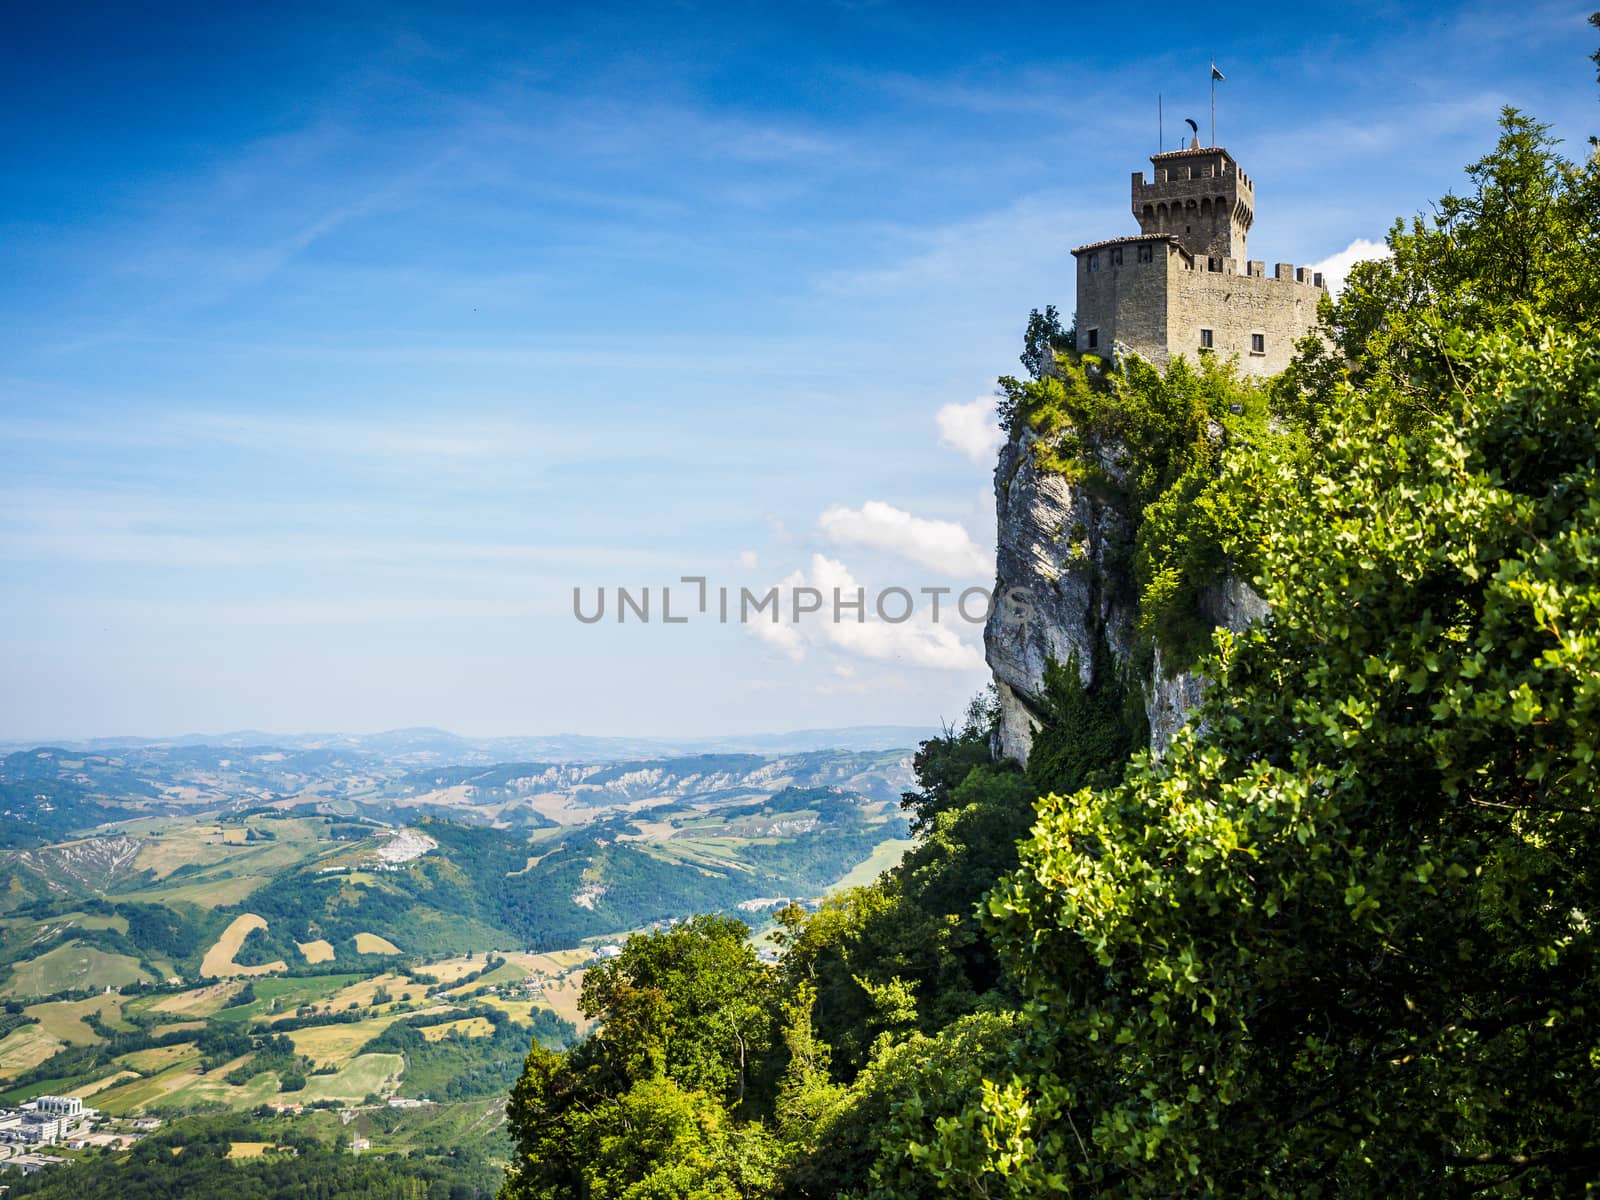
{"x": 1230, "y": 604}
{"x": 1062, "y": 550}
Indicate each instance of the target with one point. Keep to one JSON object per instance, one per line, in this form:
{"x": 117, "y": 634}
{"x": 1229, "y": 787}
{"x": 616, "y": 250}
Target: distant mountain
{"x": 424, "y": 747}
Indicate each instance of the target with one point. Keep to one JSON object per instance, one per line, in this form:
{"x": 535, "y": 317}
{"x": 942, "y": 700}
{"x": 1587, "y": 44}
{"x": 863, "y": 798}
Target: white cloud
{"x": 1336, "y": 267}
{"x": 943, "y": 545}
{"x": 749, "y": 559}
{"x": 918, "y": 641}
{"x": 971, "y": 429}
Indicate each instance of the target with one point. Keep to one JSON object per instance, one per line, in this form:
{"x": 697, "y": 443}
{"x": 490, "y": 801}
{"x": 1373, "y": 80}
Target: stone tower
{"x": 1184, "y": 284}
{"x": 1199, "y": 197}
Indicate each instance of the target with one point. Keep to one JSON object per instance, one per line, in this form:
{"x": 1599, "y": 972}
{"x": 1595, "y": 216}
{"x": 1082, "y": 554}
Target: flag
{"x": 1216, "y": 74}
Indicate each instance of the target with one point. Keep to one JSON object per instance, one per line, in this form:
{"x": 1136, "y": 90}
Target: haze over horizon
{"x": 341, "y": 345}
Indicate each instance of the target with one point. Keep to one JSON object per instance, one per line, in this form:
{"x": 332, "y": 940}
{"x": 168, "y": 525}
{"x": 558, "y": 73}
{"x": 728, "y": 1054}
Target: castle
{"x": 1183, "y": 284}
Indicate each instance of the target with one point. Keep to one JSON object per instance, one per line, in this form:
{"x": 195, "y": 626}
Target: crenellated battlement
{"x": 1138, "y": 251}
{"x": 1201, "y": 197}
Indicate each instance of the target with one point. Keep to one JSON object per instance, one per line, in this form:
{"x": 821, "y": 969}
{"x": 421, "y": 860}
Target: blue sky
{"x": 338, "y": 344}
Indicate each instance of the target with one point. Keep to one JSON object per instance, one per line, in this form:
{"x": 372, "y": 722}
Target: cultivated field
{"x": 371, "y": 943}
{"x": 72, "y": 966}
{"x": 361, "y": 1077}
{"x": 25, "y": 1048}
{"x": 219, "y": 959}
{"x": 63, "y": 1019}
{"x": 467, "y": 1027}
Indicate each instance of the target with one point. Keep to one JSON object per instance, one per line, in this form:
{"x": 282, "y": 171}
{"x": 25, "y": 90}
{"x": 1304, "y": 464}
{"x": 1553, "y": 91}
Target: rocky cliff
{"x": 1066, "y": 593}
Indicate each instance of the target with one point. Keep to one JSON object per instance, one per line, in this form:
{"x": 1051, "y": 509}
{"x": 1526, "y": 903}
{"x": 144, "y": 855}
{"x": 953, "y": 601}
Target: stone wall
{"x": 1125, "y": 302}
{"x": 1234, "y": 307}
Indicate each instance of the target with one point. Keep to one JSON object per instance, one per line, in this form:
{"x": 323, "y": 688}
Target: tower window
{"x": 1206, "y": 340}
{"x": 1116, "y": 257}
{"x": 1094, "y": 262}
{"x": 1146, "y": 253}
{"x": 1094, "y": 339}
{"x": 1258, "y": 343}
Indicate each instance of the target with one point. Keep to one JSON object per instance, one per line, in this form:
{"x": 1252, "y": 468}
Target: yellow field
{"x": 248, "y": 1149}
{"x": 562, "y": 996}
{"x": 26, "y": 1047}
{"x": 516, "y": 1009}
{"x": 159, "y": 1058}
{"x": 198, "y": 1002}
{"x": 317, "y": 951}
{"x": 219, "y": 959}
{"x": 361, "y": 1077}
{"x": 448, "y": 970}
{"x": 554, "y": 963}
{"x": 371, "y": 943}
{"x": 63, "y": 1019}
{"x": 337, "y": 1044}
{"x": 363, "y": 993}
{"x": 885, "y": 854}
{"x": 100, "y": 1085}
{"x": 467, "y": 1027}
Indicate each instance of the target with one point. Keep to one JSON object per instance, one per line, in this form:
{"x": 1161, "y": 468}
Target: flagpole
{"x": 1213, "y": 102}
{"x": 1161, "y": 127}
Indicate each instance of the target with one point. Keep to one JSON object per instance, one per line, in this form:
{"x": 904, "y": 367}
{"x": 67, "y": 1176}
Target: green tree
{"x": 1521, "y": 236}
{"x": 692, "y": 1002}
{"x": 654, "y": 1102}
{"x": 1340, "y": 944}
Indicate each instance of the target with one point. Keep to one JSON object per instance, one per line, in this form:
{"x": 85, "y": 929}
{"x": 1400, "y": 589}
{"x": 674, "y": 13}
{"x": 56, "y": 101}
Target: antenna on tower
{"x": 1161, "y": 127}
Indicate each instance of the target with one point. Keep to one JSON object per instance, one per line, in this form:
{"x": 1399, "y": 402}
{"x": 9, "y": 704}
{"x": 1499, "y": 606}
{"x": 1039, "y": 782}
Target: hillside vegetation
{"x": 1340, "y": 939}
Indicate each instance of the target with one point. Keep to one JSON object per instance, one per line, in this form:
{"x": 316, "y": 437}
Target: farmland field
{"x": 284, "y": 994}
{"x": 219, "y": 959}
{"x": 26, "y": 1047}
{"x": 63, "y": 1019}
{"x": 336, "y": 1045}
{"x": 71, "y": 966}
{"x": 885, "y": 855}
{"x": 362, "y": 1076}
{"x": 466, "y": 1027}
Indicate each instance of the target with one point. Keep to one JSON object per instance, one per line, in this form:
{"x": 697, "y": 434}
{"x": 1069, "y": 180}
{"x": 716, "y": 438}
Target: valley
{"x": 190, "y": 930}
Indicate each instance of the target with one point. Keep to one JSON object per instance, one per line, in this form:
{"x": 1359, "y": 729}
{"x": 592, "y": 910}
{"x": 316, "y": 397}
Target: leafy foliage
{"x": 1258, "y": 967}
{"x": 644, "y": 1107}
{"x": 1522, "y": 239}
{"x": 1154, "y": 444}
